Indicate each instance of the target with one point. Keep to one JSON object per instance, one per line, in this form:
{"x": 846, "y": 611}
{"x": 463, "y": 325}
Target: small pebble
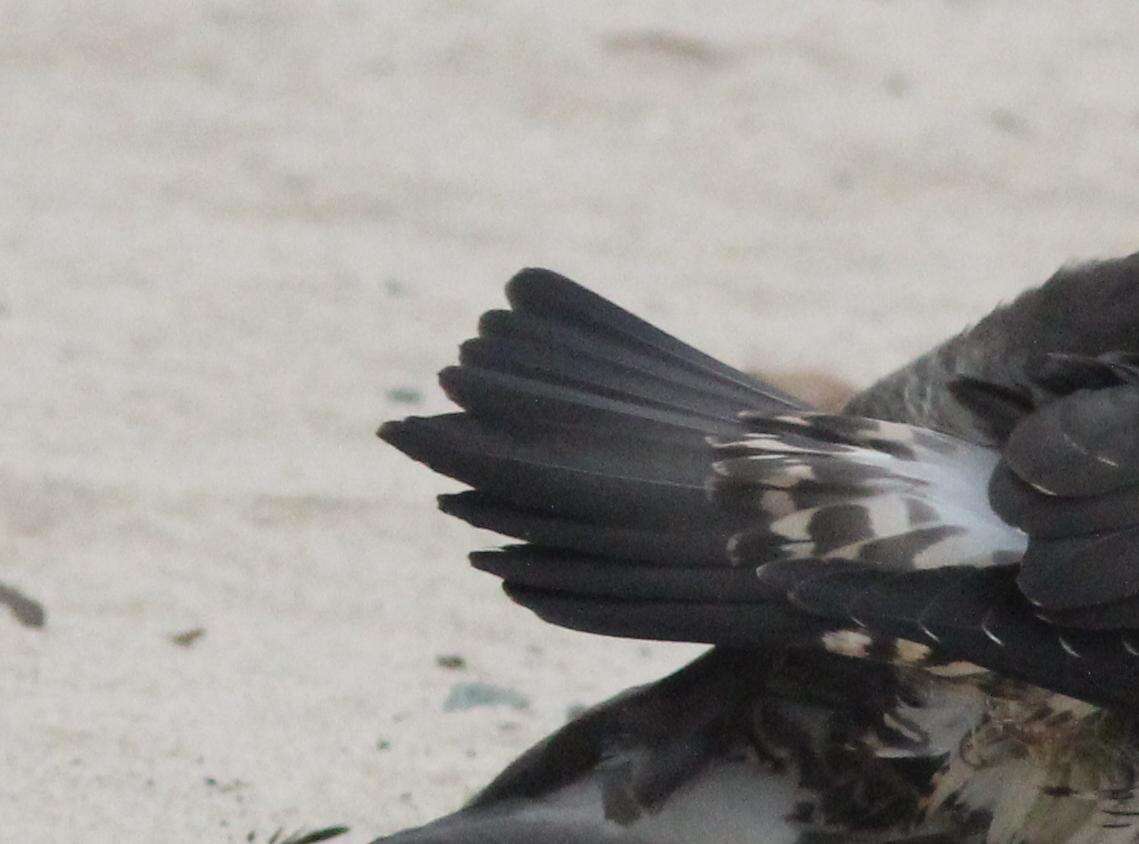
{"x": 187, "y": 637}
{"x": 405, "y": 395}
{"x": 469, "y": 695}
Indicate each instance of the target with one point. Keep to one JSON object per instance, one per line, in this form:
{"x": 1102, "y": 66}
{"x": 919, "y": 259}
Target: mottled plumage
{"x": 926, "y": 609}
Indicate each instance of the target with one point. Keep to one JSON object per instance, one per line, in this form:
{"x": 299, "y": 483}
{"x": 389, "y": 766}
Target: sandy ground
{"x": 234, "y": 237}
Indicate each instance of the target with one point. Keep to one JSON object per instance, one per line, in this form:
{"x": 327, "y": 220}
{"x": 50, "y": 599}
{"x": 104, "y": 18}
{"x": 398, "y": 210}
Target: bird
{"x": 923, "y": 609}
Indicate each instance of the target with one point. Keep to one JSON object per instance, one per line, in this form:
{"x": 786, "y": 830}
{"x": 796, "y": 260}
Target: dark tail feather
{"x": 548, "y": 295}
{"x": 673, "y": 620}
{"x": 584, "y": 433}
{"x": 592, "y": 477}
{"x": 679, "y": 540}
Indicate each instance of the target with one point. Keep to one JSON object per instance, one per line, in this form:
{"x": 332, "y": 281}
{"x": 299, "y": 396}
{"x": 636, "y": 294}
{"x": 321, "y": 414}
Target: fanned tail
{"x": 585, "y": 434}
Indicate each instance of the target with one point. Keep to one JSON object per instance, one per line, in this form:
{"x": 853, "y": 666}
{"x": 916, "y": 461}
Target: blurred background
{"x": 234, "y": 237}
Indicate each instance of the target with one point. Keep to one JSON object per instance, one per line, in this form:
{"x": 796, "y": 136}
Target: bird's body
{"x": 926, "y": 609}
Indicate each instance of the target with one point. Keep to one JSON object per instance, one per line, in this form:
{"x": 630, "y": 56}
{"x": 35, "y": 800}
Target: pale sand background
{"x": 233, "y": 238}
